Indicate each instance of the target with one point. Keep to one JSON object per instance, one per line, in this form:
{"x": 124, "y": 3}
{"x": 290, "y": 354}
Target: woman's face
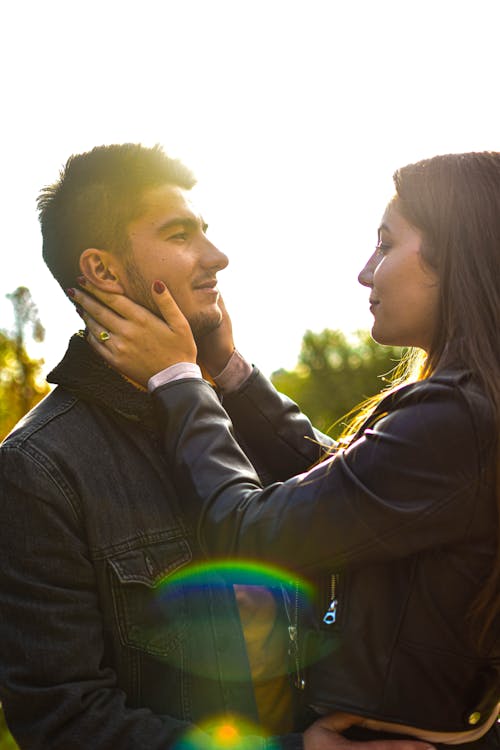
{"x": 404, "y": 288}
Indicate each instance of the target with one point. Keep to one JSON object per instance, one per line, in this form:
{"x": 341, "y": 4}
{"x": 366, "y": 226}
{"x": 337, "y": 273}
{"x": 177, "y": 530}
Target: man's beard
{"x": 201, "y": 323}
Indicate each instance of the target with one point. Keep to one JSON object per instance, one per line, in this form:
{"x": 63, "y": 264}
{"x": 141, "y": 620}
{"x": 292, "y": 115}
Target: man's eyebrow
{"x": 184, "y": 221}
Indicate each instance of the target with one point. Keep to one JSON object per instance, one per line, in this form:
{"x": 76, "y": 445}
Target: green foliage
{"x": 6, "y": 740}
{"x": 20, "y": 384}
{"x": 334, "y": 374}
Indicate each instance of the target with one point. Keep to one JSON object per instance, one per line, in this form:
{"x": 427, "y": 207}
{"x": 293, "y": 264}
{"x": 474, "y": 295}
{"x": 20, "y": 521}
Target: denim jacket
{"x": 106, "y": 641}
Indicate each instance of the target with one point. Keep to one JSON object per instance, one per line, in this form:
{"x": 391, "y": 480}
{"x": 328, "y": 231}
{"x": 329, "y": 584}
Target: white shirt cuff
{"x": 174, "y": 372}
{"x": 234, "y": 374}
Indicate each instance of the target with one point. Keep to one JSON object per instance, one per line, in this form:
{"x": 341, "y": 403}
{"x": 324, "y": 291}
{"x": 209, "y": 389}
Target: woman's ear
{"x": 103, "y": 269}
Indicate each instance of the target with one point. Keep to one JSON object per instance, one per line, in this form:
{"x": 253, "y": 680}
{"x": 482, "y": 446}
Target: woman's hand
{"x": 215, "y": 349}
{"x": 132, "y": 339}
{"x": 325, "y": 734}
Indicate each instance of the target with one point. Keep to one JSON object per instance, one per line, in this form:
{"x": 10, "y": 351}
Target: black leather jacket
{"x": 405, "y": 518}
{"x": 104, "y": 642}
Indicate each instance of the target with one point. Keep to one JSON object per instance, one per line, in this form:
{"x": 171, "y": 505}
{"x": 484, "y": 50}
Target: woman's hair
{"x": 454, "y": 202}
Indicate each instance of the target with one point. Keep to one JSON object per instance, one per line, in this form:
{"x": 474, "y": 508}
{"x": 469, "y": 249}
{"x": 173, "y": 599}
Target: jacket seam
{"x": 37, "y": 458}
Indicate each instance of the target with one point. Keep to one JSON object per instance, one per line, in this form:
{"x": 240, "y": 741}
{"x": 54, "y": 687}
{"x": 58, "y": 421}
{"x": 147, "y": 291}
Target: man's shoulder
{"x": 46, "y": 414}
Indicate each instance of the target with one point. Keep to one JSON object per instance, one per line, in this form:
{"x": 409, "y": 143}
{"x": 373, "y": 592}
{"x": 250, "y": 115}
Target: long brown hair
{"x": 454, "y": 202}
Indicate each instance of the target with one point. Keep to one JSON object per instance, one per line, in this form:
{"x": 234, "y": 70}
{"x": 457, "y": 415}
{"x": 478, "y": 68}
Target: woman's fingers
{"x": 168, "y": 307}
{"x": 215, "y": 348}
{"x": 132, "y": 339}
{"x": 100, "y": 314}
{"x": 96, "y": 302}
{"x": 98, "y": 336}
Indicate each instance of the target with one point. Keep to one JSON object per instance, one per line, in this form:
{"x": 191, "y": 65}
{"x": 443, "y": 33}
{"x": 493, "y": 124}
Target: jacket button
{"x": 473, "y": 718}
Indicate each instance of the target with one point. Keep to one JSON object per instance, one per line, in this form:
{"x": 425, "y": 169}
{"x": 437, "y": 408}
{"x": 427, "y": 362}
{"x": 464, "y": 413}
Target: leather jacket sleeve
{"x": 406, "y": 484}
{"x": 279, "y": 439}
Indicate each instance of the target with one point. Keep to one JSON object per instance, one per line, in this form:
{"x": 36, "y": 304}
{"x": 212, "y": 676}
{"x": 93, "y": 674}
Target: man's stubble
{"x": 201, "y": 324}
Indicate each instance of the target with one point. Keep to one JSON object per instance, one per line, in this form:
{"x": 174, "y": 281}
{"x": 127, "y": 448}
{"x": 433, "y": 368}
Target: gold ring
{"x": 104, "y": 336}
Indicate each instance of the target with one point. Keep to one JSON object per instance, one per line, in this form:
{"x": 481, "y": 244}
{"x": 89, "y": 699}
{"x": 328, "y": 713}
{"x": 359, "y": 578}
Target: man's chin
{"x": 204, "y": 323}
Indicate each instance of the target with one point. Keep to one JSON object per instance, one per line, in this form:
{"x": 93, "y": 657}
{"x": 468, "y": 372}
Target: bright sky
{"x": 292, "y": 113}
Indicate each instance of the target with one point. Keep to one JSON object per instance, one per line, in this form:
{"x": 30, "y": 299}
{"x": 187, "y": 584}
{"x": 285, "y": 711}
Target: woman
{"x": 404, "y": 519}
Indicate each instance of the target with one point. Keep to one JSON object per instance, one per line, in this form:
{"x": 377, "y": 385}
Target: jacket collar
{"x": 85, "y": 374}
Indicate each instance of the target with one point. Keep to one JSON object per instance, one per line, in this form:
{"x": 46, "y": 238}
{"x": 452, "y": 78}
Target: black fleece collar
{"x": 86, "y": 374}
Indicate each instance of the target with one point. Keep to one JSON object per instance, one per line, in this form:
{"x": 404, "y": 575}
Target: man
{"x": 111, "y": 635}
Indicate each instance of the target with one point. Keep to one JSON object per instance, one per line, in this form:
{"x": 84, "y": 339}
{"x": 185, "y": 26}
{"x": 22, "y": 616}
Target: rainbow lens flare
{"x": 224, "y": 733}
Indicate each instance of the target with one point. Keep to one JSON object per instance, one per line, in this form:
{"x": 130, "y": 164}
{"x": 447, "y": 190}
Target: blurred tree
{"x": 334, "y": 374}
{"x": 20, "y": 384}
{"x": 7, "y": 742}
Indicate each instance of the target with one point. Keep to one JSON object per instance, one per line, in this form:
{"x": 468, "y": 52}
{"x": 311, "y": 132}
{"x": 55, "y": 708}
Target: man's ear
{"x": 103, "y": 269}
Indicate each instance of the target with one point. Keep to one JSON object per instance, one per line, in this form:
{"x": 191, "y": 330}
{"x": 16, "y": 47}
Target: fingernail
{"x": 81, "y": 280}
{"x": 70, "y": 292}
{"x": 159, "y": 287}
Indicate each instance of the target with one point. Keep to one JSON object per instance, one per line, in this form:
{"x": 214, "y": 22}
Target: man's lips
{"x": 209, "y": 285}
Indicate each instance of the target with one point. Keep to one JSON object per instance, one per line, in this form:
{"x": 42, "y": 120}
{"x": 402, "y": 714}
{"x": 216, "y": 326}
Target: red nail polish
{"x": 81, "y": 280}
{"x": 70, "y": 292}
{"x": 159, "y": 287}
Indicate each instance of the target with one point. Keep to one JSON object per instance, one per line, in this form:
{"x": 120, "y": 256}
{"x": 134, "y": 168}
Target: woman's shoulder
{"x": 455, "y": 396}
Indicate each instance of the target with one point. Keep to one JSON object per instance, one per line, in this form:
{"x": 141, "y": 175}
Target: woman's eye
{"x": 382, "y": 247}
{"x": 179, "y": 236}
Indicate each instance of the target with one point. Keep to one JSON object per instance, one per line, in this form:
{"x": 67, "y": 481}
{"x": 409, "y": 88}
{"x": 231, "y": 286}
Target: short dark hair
{"x": 97, "y": 195}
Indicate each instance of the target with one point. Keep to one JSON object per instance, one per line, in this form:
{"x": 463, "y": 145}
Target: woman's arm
{"x": 406, "y": 484}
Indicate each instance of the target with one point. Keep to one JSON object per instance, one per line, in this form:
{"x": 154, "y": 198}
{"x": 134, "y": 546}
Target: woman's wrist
{"x": 234, "y": 374}
{"x": 178, "y": 371}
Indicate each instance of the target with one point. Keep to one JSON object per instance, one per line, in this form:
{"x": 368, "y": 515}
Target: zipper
{"x": 331, "y": 613}
{"x": 293, "y": 635}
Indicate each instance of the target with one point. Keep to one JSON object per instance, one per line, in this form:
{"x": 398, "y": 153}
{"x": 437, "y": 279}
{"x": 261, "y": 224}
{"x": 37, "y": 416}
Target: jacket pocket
{"x": 151, "y": 615}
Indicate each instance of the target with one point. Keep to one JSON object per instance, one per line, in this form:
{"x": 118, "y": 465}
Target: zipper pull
{"x": 331, "y": 613}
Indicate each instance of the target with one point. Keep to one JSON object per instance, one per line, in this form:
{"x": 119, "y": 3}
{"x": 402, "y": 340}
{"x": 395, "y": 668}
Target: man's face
{"x": 168, "y": 242}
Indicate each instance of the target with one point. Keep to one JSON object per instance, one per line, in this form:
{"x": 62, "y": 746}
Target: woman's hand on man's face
{"x": 215, "y": 349}
{"x": 129, "y": 337}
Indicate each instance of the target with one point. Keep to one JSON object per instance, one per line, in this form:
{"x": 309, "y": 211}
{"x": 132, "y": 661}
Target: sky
{"x": 293, "y": 114}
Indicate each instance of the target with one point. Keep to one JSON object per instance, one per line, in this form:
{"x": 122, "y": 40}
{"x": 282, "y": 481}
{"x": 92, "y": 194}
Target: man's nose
{"x": 213, "y": 258}
{"x": 365, "y": 276}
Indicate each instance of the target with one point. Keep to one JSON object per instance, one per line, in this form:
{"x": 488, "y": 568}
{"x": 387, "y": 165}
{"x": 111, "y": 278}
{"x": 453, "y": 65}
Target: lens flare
{"x": 229, "y": 572}
{"x": 179, "y": 608}
{"x": 225, "y": 733}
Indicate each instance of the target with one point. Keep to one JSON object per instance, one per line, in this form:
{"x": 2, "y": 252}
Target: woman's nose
{"x": 365, "y": 276}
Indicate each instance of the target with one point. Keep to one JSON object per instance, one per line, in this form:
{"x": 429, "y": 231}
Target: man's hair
{"x": 97, "y": 195}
